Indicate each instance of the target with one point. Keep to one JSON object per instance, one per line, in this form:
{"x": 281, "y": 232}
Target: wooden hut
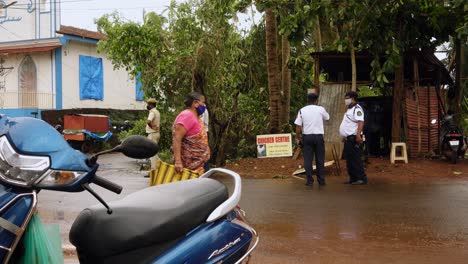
{"x": 425, "y": 81}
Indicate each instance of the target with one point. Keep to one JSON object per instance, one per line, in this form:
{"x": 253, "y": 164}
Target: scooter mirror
{"x": 434, "y": 121}
{"x": 138, "y": 147}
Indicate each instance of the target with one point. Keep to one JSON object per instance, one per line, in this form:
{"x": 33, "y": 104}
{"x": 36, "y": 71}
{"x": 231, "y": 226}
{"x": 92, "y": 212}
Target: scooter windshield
{"x": 32, "y": 136}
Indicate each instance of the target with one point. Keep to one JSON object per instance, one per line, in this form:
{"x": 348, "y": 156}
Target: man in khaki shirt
{"x": 152, "y": 126}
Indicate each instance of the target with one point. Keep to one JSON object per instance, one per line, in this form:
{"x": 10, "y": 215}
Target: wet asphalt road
{"x": 377, "y": 223}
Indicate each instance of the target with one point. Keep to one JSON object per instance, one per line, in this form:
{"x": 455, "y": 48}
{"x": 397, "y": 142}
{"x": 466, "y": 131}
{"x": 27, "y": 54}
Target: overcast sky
{"x": 81, "y": 13}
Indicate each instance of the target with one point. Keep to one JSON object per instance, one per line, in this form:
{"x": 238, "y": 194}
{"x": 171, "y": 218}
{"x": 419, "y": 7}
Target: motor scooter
{"x": 452, "y": 141}
{"x": 192, "y": 221}
{"x": 123, "y": 127}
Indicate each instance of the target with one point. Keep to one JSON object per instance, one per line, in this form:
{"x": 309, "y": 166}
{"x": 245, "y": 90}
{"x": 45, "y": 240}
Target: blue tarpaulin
{"x": 91, "y": 78}
{"x": 95, "y": 136}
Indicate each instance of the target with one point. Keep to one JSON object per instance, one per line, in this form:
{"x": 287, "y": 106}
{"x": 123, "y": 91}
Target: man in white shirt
{"x": 309, "y": 126}
{"x": 205, "y": 117}
{"x": 350, "y": 129}
{"x": 152, "y": 126}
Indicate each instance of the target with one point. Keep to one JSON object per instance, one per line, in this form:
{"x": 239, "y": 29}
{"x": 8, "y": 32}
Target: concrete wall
{"x": 23, "y": 21}
{"x": 119, "y": 89}
{"x": 44, "y": 62}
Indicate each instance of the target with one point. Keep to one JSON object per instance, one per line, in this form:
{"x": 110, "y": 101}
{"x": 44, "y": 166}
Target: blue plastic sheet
{"x": 104, "y": 137}
{"x": 100, "y": 137}
{"x": 91, "y": 78}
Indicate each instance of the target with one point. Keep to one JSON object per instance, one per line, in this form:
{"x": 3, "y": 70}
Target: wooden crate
{"x": 92, "y": 123}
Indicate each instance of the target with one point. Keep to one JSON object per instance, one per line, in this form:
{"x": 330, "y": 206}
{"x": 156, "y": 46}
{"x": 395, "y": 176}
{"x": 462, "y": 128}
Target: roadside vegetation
{"x": 255, "y": 70}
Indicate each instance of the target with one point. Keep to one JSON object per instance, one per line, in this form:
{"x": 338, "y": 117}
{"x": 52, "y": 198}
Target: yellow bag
{"x": 166, "y": 173}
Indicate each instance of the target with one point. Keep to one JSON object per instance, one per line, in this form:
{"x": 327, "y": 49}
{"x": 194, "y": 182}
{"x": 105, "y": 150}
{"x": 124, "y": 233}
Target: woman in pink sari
{"x": 189, "y": 137}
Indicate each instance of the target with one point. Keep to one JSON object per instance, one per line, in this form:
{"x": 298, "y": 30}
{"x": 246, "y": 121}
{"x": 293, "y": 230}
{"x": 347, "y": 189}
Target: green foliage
{"x": 366, "y": 91}
{"x": 461, "y": 12}
{"x": 139, "y": 126}
{"x": 195, "y": 47}
{"x": 137, "y": 129}
{"x": 464, "y": 107}
{"x": 166, "y": 156}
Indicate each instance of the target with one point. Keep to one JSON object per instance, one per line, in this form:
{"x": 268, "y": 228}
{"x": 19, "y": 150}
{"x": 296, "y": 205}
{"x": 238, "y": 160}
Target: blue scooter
{"x": 193, "y": 221}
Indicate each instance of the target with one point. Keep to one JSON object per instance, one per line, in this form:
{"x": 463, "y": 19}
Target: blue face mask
{"x": 201, "y": 109}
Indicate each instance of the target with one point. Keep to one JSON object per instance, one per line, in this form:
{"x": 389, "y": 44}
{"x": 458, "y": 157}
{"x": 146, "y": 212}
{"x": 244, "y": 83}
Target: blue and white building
{"x": 45, "y": 65}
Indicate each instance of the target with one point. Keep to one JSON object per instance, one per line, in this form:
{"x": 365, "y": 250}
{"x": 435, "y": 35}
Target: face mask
{"x": 348, "y": 102}
{"x": 201, "y": 109}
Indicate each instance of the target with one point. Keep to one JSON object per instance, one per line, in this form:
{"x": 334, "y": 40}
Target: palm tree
{"x": 273, "y": 70}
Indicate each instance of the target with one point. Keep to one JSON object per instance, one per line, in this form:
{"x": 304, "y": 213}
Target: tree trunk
{"x": 418, "y": 109}
{"x": 456, "y": 102}
{"x": 353, "y": 65}
{"x": 319, "y": 34}
{"x": 397, "y": 102}
{"x": 273, "y": 70}
{"x": 220, "y": 131}
{"x": 285, "y": 79}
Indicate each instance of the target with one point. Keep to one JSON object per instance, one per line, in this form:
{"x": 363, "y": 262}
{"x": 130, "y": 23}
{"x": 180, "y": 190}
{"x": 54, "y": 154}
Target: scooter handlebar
{"x": 106, "y": 184}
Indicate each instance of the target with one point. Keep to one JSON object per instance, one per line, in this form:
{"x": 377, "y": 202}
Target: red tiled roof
{"x": 29, "y": 46}
{"x": 67, "y": 30}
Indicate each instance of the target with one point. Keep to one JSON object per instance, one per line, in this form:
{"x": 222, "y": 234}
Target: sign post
{"x": 275, "y": 145}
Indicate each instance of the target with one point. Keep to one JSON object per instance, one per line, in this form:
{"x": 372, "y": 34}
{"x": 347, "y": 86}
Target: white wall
{"x": 45, "y": 80}
{"x": 119, "y": 89}
{"x": 35, "y": 25}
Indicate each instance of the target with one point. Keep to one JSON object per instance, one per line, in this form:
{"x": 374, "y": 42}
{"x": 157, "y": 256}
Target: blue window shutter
{"x": 139, "y": 90}
{"x": 91, "y": 78}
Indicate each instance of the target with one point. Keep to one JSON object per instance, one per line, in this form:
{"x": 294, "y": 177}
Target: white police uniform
{"x": 352, "y": 149}
{"x": 311, "y": 118}
{"x": 351, "y": 118}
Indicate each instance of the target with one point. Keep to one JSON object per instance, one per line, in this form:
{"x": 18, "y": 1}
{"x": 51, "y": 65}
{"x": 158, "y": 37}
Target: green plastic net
{"x": 42, "y": 243}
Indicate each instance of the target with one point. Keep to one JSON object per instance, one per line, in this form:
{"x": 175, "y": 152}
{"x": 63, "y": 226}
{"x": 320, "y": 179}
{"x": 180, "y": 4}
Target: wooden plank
{"x": 302, "y": 170}
{"x": 297, "y": 152}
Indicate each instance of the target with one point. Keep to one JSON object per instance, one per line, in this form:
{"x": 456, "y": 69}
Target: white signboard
{"x": 275, "y": 145}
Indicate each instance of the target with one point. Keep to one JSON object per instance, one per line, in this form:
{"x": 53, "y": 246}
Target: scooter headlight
{"x": 19, "y": 169}
{"x": 59, "y": 178}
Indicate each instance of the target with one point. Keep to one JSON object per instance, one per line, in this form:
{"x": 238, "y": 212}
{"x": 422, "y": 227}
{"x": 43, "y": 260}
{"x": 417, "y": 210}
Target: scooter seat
{"x": 145, "y": 218}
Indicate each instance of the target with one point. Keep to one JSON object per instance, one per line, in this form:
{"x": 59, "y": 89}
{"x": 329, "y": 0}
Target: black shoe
{"x": 309, "y": 183}
{"x": 358, "y": 182}
{"x": 322, "y": 183}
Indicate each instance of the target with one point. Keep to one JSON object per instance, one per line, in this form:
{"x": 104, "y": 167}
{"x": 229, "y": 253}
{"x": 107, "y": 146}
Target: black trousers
{"x": 353, "y": 154}
{"x": 314, "y": 145}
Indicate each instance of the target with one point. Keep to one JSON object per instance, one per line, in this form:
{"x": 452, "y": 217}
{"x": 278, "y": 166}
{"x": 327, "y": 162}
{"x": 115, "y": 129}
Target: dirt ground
{"x": 377, "y": 169}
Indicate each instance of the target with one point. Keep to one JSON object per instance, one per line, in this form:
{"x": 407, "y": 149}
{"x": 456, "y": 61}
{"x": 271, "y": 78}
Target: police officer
{"x": 351, "y": 131}
{"x": 309, "y": 124}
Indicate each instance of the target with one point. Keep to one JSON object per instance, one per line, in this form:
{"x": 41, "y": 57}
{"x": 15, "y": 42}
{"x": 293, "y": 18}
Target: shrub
{"x": 137, "y": 129}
